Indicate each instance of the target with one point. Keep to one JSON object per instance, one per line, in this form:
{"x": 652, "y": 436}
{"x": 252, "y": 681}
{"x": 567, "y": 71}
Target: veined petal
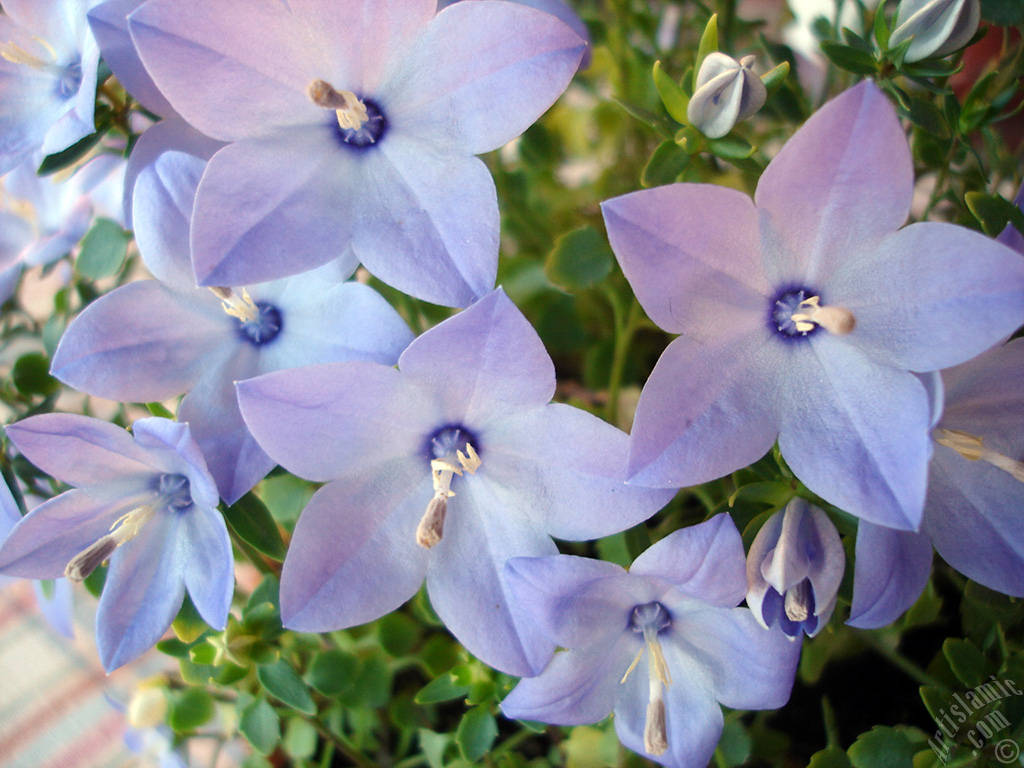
{"x": 968, "y": 294}
{"x": 692, "y": 255}
{"x": 142, "y": 594}
{"x": 208, "y": 565}
{"x": 704, "y": 561}
{"x": 841, "y": 184}
{"x": 856, "y": 432}
{"x": 891, "y": 571}
{"x": 337, "y": 419}
{"x": 706, "y": 410}
{"x": 490, "y": 68}
{"x": 354, "y": 555}
{"x": 466, "y": 586}
{"x": 426, "y": 220}
{"x": 273, "y": 206}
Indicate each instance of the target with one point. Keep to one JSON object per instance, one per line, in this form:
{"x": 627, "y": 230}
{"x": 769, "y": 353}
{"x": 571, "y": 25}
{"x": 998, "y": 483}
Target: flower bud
{"x": 937, "y": 27}
{"x": 725, "y": 92}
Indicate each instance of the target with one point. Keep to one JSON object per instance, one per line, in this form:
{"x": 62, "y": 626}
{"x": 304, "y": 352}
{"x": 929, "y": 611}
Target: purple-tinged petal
{"x": 354, "y": 557}
{"x": 143, "y": 592}
{"x": 581, "y": 494}
{"x": 109, "y": 23}
{"x": 1012, "y": 237}
{"x": 483, "y": 361}
{"x": 706, "y": 410}
{"x": 82, "y": 451}
{"x": 494, "y": 69}
{"x": 973, "y": 516}
{"x": 426, "y": 222}
{"x": 705, "y": 561}
{"x": 575, "y": 601}
{"x": 209, "y": 572}
{"x": 968, "y": 294}
{"x": 841, "y": 184}
{"x": 268, "y": 208}
{"x": 48, "y": 537}
{"x": 465, "y": 583}
{"x": 57, "y": 606}
{"x": 692, "y": 255}
{"x": 172, "y": 442}
{"x": 578, "y": 687}
{"x": 864, "y": 453}
{"x": 334, "y": 420}
{"x": 891, "y": 571}
{"x": 143, "y": 342}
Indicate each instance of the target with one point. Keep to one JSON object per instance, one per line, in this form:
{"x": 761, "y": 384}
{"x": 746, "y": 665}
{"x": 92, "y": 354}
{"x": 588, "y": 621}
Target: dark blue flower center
{"x": 371, "y": 132}
{"x": 264, "y": 328}
{"x": 69, "y": 81}
{"x": 175, "y": 491}
{"x": 650, "y": 619}
{"x": 783, "y": 307}
{"x": 799, "y": 601}
{"x": 444, "y": 442}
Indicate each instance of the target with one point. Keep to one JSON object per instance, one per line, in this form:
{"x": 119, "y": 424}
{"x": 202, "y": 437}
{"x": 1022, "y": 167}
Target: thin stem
{"x": 626, "y": 324}
{"x": 894, "y": 657}
{"x": 340, "y": 743}
{"x": 831, "y": 728}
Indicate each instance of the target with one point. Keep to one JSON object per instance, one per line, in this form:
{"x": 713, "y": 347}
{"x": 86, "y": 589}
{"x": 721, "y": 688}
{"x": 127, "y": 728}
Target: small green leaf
{"x": 251, "y": 521}
{"x": 443, "y": 688}
{"x": 672, "y": 96}
{"x": 734, "y": 744}
{"x": 434, "y": 745}
{"x": 300, "y": 739}
{"x": 994, "y": 212}
{"x": 927, "y": 116}
{"x": 772, "y": 493}
{"x": 283, "y": 683}
{"x": 188, "y": 625}
{"x": 831, "y": 757}
{"x": 158, "y": 409}
{"x": 708, "y": 44}
{"x": 690, "y": 140}
{"x": 260, "y": 725}
{"x": 398, "y": 634}
{"x": 849, "y": 58}
{"x": 665, "y": 165}
{"x": 191, "y": 710}
{"x": 966, "y": 661}
{"x": 476, "y": 733}
{"x": 775, "y": 77}
{"x": 332, "y": 672}
{"x": 730, "y": 148}
{"x": 881, "y": 28}
{"x": 31, "y": 375}
{"x": 581, "y": 258}
{"x": 67, "y": 157}
{"x": 202, "y": 654}
{"x": 882, "y": 747}
{"x": 372, "y": 685}
{"x": 103, "y": 250}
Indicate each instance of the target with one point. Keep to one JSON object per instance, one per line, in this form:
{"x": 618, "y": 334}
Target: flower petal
{"x": 891, "y": 570}
{"x": 204, "y": 549}
{"x": 172, "y": 442}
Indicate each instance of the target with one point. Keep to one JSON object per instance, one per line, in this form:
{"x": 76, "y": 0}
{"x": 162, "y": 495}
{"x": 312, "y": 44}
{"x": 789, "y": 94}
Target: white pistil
{"x": 431, "y": 528}
{"x": 659, "y": 679}
{"x": 15, "y": 54}
{"x": 796, "y": 601}
{"x": 838, "y": 321}
{"x": 124, "y": 529}
{"x": 350, "y": 110}
{"x": 973, "y": 448}
{"x": 241, "y": 307}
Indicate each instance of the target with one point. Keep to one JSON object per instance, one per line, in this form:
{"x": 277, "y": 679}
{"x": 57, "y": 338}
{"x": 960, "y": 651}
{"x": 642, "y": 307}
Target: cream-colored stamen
{"x": 15, "y": 54}
{"x": 431, "y": 528}
{"x": 655, "y": 731}
{"x": 350, "y": 110}
{"x": 124, "y": 529}
{"x": 796, "y": 603}
{"x": 836, "y": 320}
{"x": 973, "y": 448}
{"x": 241, "y": 307}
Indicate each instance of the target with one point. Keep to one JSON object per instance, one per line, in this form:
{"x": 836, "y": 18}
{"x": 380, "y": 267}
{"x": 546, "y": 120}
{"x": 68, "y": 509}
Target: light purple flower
{"x": 725, "y": 92}
{"x": 156, "y": 339}
{"x": 465, "y": 416}
{"x": 353, "y": 122}
{"x": 934, "y": 27}
{"x": 803, "y": 315}
{"x": 660, "y": 645}
{"x": 794, "y": 569}
{"x": 143, "y": 500}
{"x": 48, "y": 61}
{"x": 975, "y": 495}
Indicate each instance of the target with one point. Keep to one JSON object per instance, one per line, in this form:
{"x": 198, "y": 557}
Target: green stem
{"x": 340, "y": 744}
{"x": 895, "y": 658}
{"x": 626, "y": 324}
{"x": 831, "y": 728}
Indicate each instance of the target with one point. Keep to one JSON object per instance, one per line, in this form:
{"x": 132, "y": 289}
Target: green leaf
{"x": 581, "y": 258}
{"x": 67, "y": 157}
{"x": 734, "y": 744}
{"x": 665, "y": 165}
{"x": 332, "y": 672}
{"x": 672, "y": 96}
{"x": 476, "y": 733}
{"x": 1003, "y": 13}
{"x": 730, "y": 148}
{"x": 849, "y": 58}
{"x": 927, "y": 116}
{"x": 103, "y": 251}
{"x": 831, "y": 757}
{"x": 188, "y": 625}
{"x": 398, "y": 634}
{"x": 158, "y": 409}
{"x": 434, "y": 745}
{"x": 372, "y": 686}
{"x": 774, "y": 494}
{"x": 443, "y": 688}
{"x": 261, "y": 726}
{"x": 775, "y": 77}
{"x": 191, "y": 710}
{"x": 882, "y": 747}
{"x": 708, "y": 44}
{"x": 31, "y": 375}
{"x": 881, "y": 28}
{"x": 251, "y": 521}
{"x": 300, "y": 739}
{"x": 994, "y": 212}
{"x": 966, "y": 661}
{"x": 283, "y": 683}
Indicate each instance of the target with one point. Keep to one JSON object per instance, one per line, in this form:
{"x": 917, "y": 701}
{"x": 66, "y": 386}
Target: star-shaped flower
{"x": 441, "y": 469}
{"x": 660, "y": 645}
{"x": 355, "y": 121}
{"x": 804, "y": 314}
{"x": 146, "y": 502}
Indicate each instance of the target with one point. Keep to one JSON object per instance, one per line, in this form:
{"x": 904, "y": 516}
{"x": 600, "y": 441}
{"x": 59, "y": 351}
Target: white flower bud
{"x": 726, "y": 91}
{"x": 937, "y": 27}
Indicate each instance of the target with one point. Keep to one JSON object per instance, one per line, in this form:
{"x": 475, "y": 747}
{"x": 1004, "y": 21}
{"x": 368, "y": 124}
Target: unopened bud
{"x": 725, "y": 92}
{"x": 938, "y": 27}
